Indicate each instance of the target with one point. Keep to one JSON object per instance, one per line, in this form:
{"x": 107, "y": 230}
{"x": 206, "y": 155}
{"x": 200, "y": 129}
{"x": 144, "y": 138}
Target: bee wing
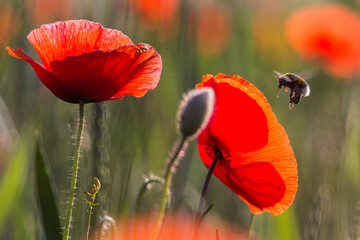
{"x": 281, "y": 75}
{"x": 278, "y": 74}
{"x": 307, "y": 74}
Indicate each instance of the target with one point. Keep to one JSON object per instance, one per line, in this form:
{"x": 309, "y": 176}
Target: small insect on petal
{"x": 141, "y": 48}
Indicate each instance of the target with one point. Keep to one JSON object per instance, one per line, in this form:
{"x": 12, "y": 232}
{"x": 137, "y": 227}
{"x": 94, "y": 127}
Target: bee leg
{"x": 291, "y": 105}
{"x": 277, "y": 95}
{"x": 292, "y": 93}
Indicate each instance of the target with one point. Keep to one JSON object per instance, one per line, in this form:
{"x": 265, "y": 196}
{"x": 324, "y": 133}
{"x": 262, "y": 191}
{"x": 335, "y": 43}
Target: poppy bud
{"x": 195, "y": 111}
{"x": 107, "y": 228}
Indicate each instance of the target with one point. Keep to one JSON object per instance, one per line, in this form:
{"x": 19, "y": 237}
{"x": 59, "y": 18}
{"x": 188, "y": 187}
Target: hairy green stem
{"x": 75, "y": 170}
{"x": 142, "y": 190}
{"x": 167, "y": 183}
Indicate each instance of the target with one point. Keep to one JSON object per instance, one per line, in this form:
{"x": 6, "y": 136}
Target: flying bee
{"x": 297, "y": 85}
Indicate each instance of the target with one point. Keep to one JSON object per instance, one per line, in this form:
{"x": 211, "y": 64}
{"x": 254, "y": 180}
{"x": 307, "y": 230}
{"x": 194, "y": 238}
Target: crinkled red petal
{"x": 258, "y": 183}
{"x": 72, "y": 38}
{"x": 145, "y": 73}
{"x": 46, "y": 77}
{"x": 263, "y": 173}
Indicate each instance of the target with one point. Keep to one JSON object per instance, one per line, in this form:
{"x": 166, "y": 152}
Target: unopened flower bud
{"x": 107, "y": 229}
{"x": 195, "y": 111}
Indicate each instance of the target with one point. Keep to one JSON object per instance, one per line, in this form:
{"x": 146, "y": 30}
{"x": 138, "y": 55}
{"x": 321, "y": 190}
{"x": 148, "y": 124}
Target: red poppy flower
{"x": 329, "y": 33}
{"x": 214, "y": 29}
{"x": 177, "y": 226}
{"x": 257, "y": 161}
{"x": 157, "y": 12}
{"x": 85, "y": 61}
{"x": 41, "y": 11}
{"x": 10, "y": 23}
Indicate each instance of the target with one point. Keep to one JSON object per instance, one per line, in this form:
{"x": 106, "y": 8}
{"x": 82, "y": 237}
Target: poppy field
{"x": 179, "y": 119}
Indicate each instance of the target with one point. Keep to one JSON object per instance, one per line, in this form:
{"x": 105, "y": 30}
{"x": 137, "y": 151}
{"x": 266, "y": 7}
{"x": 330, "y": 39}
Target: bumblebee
{"x": 297, "y": 85}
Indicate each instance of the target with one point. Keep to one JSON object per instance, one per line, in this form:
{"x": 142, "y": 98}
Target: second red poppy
{"x": 257, "y": 161}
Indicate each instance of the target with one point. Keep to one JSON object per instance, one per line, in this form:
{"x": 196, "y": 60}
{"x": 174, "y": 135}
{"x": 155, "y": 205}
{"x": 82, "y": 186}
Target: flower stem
{"x": 89, "y": 221}
{"x": 250, "y": 225}
{"x": 203, "y": 193}
{"x": 75, "y": 170}
{"x": 95, "y": 188}
{"x": 142, "y": 190}
{"x": 167, "y": 183}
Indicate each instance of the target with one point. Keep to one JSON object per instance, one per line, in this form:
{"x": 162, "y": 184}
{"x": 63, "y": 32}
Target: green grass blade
{"x": 47, "y": 193}
{"x": 12, "y": 184}
{"x": 285, "y": 226}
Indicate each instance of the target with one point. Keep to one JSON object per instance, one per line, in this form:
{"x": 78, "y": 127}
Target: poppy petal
{"x": 115, "y": 68}
{"x": 57, "y": 41}
{"x": 263, "y": 173}
{"x": 144, "y": 76}
{"x": 240, "y": 134}
{"x": 46, "y": 77}
{"x": 258, "y": 183}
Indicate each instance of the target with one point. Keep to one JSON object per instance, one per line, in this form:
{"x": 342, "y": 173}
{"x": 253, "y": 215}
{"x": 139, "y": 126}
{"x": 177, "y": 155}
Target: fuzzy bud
{"x": 195, "y": 111}
{"x": 107, "y": 229}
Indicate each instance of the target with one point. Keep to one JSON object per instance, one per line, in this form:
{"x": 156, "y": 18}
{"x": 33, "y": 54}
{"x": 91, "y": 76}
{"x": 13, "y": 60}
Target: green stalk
{"x": 75, "y": 170}
{"x": 198, "y": 217}
{"x": 142, "y": 190}
{"x": 250, "y": 225}
{"x": 88, "y": 221}
{"x": 95, "y": 188}
{"x": 167, "y": 184}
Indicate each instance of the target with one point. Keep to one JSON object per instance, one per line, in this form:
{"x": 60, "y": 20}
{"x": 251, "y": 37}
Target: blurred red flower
{"x": 213, "y": 29}
{"x": 157, "y": 13}
{"x": 42, "y": 11}
{"x": 176, "y": 226}
{"x": 257, "y": 161}
{"x": 85, "y": 61}
{"x": 10, "y": 23}
{"x": 329, "y": 33}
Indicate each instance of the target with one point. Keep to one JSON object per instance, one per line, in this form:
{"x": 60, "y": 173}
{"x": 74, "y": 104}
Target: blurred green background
{"x": 129, "y": 138}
